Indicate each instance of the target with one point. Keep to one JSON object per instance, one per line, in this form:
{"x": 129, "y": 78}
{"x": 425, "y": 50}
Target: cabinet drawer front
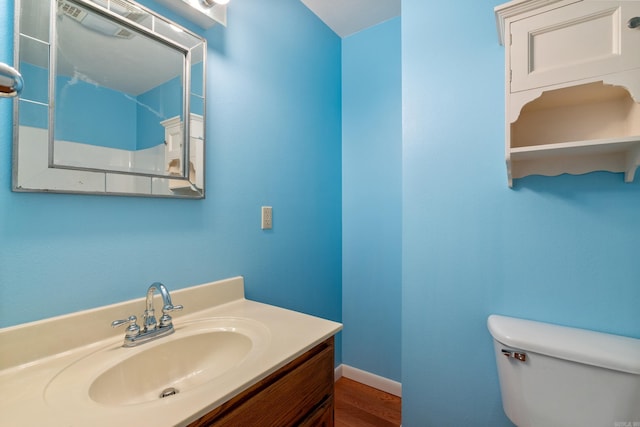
{"x": 321, "y": 417}
{"x": 574, "y": 42}
{"x": 300, "y": 393}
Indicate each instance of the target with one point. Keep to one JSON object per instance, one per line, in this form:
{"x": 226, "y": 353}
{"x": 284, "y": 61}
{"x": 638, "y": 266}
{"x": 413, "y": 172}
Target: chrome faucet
{"x": 151, "y": 328}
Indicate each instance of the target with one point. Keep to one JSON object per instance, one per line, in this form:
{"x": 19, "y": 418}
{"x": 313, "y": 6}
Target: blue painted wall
{"x": 274, "y": 138}
{"x": 85, "y": 106}
{"x": 372, "y": 199}
{"x": 562, "y": 250}
{"x": 153, "y": 107}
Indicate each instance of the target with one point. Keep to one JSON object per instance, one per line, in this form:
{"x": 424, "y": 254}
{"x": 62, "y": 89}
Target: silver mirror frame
{"x": 186, "y": 190}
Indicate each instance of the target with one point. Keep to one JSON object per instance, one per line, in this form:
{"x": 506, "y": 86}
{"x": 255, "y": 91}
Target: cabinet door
{"x": 578, "y": 41}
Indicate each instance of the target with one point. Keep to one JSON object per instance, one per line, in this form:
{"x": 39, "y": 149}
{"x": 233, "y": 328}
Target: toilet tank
{"x": 556, "y": 376}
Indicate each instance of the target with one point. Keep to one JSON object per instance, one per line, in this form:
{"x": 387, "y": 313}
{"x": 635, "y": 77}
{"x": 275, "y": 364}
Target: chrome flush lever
{"x": 515, "y": 355}
{"x": 634, "y": 22}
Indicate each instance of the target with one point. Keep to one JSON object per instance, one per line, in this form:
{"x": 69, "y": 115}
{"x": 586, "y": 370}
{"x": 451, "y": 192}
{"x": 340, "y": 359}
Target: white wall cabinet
{"x": 173, "y": 152}
{"x": 572, "y": 86}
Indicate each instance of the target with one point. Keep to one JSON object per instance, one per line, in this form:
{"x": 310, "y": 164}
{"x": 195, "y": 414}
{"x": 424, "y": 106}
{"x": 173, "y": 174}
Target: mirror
{"x": 107, "y": 87}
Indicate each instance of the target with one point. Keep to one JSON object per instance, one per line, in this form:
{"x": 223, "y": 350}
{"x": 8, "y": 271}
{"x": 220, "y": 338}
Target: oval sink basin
{"x": 197, "y": 353}
{"x": 179, "y": 364}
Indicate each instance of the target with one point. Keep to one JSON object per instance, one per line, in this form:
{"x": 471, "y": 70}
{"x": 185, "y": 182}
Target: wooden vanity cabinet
{"x": 298, "y": 394}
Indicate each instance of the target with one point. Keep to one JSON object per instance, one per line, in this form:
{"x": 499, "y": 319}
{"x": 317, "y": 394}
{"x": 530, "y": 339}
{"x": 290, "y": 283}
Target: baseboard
{"x": 367, "y": 378}
{"x": 337, "y": 373}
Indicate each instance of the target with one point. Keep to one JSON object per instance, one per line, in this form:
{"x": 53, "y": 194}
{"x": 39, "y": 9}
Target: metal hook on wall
{"x": 11, "y": 82}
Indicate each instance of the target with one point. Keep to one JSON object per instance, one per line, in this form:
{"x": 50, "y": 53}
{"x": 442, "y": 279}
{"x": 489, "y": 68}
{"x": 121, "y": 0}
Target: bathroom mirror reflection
{"x": 108, "y": 84}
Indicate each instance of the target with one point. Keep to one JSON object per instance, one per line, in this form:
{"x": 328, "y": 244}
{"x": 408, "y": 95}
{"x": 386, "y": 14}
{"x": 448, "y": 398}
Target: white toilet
{"x": 555, "y": 376}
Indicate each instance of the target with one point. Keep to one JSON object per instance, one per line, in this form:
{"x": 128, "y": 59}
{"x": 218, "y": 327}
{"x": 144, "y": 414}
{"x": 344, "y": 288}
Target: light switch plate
{"x": 267, "y": 218}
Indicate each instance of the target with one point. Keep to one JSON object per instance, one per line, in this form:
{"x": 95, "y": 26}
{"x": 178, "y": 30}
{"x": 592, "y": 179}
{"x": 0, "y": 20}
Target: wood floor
{"x": 358, "y": 405}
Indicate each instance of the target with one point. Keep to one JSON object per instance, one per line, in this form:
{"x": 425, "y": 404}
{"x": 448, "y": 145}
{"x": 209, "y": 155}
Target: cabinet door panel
{"x": 574, "y": 42}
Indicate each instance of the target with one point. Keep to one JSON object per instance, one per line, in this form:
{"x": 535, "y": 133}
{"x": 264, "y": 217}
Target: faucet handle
{"x": 166, "y": 320}
{"x": 169, "y": 308}
{"x": 132, "y": 330}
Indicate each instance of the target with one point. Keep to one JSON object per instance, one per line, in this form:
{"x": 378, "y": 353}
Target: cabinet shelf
{"x": 576, "y": 130}
{"x": 577, "y": 157}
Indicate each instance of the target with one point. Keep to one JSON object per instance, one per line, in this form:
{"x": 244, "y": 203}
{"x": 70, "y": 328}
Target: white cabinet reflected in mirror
{"x": 107, "y": 87}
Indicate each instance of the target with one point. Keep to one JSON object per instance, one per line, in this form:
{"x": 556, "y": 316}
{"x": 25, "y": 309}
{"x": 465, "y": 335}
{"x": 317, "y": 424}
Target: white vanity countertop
{"x": 31, "y": 356}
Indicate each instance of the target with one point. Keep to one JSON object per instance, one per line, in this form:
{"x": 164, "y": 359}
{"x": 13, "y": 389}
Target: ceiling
{"x": 346, "y": 17}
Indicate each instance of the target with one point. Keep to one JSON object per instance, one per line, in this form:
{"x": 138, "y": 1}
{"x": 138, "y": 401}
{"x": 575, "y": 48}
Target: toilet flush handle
{"x": 634, "y": 22}
{"x": 515, "y": 355}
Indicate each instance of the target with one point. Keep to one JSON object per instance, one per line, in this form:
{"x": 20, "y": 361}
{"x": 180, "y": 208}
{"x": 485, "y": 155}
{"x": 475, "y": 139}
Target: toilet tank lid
{"x": 578, "y": 345}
